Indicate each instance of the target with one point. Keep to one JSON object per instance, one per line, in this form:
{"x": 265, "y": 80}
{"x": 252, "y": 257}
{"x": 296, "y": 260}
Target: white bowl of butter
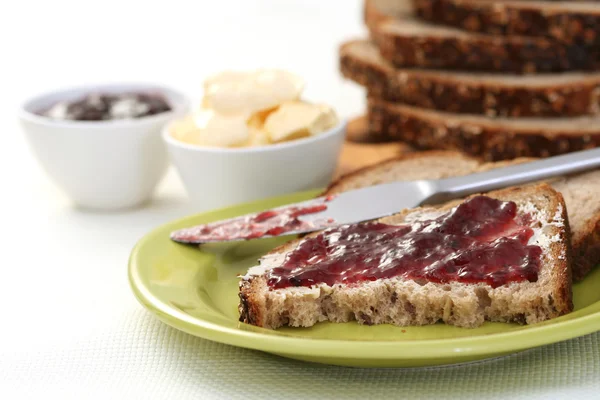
{"x": 253, "y": 137}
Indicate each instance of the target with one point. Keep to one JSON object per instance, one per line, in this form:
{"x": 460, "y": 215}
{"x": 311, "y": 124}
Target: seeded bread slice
{"x": 580, "y": 192}
{"x": 566, "y": 21}
{"x": 405, "y": 302}
{"x": 560, "y": 94}
{"x": 490, "y": 138}
{"x": 409, "y": 42}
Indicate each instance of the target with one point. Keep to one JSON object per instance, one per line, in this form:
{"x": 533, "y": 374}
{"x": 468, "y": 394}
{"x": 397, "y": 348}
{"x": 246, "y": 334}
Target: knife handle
{"x": 518, "y": 174}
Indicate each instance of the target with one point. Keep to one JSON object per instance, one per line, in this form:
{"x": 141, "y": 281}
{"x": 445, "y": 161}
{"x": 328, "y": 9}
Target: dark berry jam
{"x": 100, "y": 107}
{"x": 481, "y": 240}
{"x": 272, "y": 222}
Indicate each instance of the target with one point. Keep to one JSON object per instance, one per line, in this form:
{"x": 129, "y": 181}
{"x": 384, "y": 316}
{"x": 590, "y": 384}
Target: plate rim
{"x": 425, "y": 349}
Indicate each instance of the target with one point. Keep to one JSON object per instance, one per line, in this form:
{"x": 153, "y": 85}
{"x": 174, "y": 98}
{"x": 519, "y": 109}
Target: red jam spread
{"x": 481, "y": 240}
{"x": 272, "y": 222}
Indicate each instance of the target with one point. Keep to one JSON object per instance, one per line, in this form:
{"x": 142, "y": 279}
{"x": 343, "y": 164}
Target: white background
{"x": 70, "y": 326}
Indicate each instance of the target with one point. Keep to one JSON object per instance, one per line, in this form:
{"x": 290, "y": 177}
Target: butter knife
{"x": 380, "y": 201}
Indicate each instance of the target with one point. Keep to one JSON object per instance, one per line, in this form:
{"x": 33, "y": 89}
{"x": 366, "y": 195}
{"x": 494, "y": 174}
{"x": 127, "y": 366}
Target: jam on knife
{"x": 272, "y": 222}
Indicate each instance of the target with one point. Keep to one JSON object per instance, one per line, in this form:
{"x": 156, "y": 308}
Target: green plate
{"x": 195, "y": 290}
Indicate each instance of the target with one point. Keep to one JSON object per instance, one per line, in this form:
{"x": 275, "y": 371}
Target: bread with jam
{"x": 504, "y": 256}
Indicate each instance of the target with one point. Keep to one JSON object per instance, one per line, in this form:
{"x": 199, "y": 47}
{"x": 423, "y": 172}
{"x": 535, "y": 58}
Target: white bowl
{"x": 218, "y": 177}
{"x": 101, "y": 164}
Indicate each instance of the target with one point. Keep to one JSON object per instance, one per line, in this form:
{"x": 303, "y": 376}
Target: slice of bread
{"x": 552, "y": 95}
{"x": 566, "y": 21}
{"x": 409, "y": 42}
{"x": 403, "y": 301}
{"x": 579, "y": 192}
{"x": 490, "y": 138}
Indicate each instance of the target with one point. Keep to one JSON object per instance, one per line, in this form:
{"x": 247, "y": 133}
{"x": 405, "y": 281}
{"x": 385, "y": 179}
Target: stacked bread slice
{"x": 497, "y": 80}
{"x": 566, "y": 21}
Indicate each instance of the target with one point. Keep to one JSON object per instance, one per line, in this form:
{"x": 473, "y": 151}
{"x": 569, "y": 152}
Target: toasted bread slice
{"x": 542, "y": 95}
{"x": 402, "y": 301}
{"x": 579, "y": 192}
{"x": 410, "y": 42}
{"x": 566, "y": 21}
{"x": 490, "y": 138}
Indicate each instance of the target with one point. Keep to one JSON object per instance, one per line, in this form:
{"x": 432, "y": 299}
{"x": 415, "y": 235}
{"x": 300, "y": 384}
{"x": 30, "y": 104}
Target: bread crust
{"x": 509, "y": 18}
{"x": 264, "y": 307}
{"x": 454, "y": 93}
{"x": 491, "y": 141}
{"x": 249, "y": 306}
{"x": 586, "y": 250}
{"x": 564, "y": 283}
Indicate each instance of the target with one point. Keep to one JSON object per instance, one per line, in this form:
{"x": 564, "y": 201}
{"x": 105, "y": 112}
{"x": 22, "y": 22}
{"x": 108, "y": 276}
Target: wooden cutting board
{"x": 358, "y": 152}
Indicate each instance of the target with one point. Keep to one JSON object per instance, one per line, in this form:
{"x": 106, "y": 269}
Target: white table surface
{"x": 70, "y": 326}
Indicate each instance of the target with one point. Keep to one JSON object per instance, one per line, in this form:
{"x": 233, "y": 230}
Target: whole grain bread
{"x": 579, "y": 191}
{"x": 490, "y": 138}
{"x": 559, "y": 94}
{"x": 566, "y": 21}
{"x": 402, "y": 301}
{"x": 409, "y": 42}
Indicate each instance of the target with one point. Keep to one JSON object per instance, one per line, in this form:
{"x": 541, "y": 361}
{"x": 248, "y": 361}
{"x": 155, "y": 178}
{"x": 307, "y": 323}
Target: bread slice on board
{"x": 566, "y": 21}
{"x": 559, "y": 94}
{"x": 490, "y": 138}
{"x": 409, "y": 42}
{"x": 580, "y": 193}
{"x": 403, "y": 301}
